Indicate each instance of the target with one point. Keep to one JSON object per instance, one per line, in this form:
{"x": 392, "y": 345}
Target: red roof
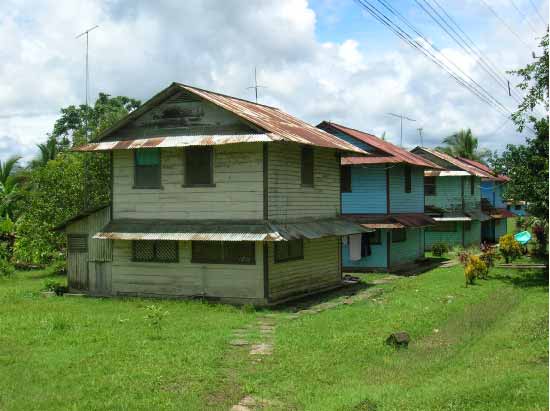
{"x": 394, "y": 153}
{"x": 485, "y": 168}
{"x": 458, "y": 163}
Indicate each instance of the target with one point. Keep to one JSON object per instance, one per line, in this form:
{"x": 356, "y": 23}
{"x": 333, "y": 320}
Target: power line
{"x": 510, "y": 29}
{"x": 538, "y": 13}
{"x": 524, "y": 16}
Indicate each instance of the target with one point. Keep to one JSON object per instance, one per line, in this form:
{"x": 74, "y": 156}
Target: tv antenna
{"x": 401, "y": 117}
{"x": 256, "y": 86}
{"x": 85, "y": 33}
{"x": 421, "y": 137}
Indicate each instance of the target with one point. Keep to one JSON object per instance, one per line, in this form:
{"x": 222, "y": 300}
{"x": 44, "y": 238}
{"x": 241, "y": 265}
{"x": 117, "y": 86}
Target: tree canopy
{"x": 463, "y": 144}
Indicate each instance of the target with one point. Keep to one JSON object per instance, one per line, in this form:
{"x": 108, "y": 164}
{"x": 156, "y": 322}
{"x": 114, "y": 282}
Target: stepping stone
{"x": 239, "y": 343}
{"x": 240, "y": 407}
{"x": 248, "y": 401}
{"x": 261, "y": 349}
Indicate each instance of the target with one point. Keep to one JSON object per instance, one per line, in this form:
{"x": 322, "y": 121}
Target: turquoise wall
{"x": 368, "y": 185}
{"x": 500, "y": 228}
{"x": 400, "y": 201}
{"x": 472, "y": 237}
{"x": 408, "y": 251}
{"x": 378, "y": 259}
{"x": 493, "y": 192}
{"x": 449, "y": 238}
{"x": 449, "y": 193}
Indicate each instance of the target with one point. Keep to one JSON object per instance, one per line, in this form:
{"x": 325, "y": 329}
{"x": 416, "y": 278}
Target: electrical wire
{"x": 525, "y": 17}
{"x": 510, "y": 29}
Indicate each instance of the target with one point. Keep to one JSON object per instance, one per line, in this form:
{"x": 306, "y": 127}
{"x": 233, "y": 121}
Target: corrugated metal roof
{"x": 399, "y": 153}
{"x": 276, "y": 124}
{"x": 456, "y": 162}
{"x": 399, "y": 220}
{"x": 478, "y": 215}
{"x": 485, "y": 168}
{"x": 177, "y": 141}
{"x": 349, "y": 161}
{"x": 216, "y": 230}
{"x": 499, "y": 213}
{"x": 462, "y": 218}
{"x": 449, "y": 173}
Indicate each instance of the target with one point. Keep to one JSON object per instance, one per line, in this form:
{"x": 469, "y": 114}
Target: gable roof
{"x": 461, "y": 165}
{"x": 483, "y": 167}
{"x": 271, "y": 124}
{"x": 391, "y": 152}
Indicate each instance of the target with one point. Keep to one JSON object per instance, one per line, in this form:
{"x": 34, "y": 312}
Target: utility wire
{"x": 538, "y": 13}
{"x": 510, "y": 29}
{"x": 524, "y": 16}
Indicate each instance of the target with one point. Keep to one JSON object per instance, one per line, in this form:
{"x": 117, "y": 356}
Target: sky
{"x": 319, "y": 60}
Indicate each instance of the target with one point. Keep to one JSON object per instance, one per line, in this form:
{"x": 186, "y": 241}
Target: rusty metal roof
{"x": 398, "y": 220}
{"x": 485, "y": 168}
{"x": 394, "y": 153}
{"x": 456, "y": 162}
{"x": 221, "y": 230}
{"x": 498, "y": 213}
{"x": 274, "y": 123}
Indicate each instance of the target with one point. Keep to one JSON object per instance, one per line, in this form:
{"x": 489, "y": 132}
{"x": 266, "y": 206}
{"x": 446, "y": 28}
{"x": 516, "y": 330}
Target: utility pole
{"x": 256, "y": 86}
{"x": 421, "y": 138}
{"x": 85, "y": 33}
{"x": 401, "y": 117}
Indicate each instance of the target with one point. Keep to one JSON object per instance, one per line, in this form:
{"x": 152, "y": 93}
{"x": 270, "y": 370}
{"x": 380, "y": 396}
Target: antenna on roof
{"x": 421, "y": 138}
{"x": 87, "y": 75}
{"x": 256, "y": 86}
{"x": 401, "y": 117}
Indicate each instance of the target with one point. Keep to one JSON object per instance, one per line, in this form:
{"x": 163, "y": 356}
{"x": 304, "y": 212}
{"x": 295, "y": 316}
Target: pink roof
{"x": 396, "y": 154}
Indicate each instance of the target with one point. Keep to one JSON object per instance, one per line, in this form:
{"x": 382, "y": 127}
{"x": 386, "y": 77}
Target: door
{"x": 77, "y": 261}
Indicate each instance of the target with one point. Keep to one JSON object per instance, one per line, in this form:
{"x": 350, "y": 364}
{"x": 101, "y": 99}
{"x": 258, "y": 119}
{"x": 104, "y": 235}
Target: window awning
{"x": 478, "y": 215}
{"x": 218, "y": 230}
{"x": 392, "y": 221}
{"x": 458, "y": 218}
{"x": 499, "y": 213}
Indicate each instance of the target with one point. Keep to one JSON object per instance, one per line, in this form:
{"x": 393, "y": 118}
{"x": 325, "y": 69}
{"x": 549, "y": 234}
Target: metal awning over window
{"x": 216, "y": 230}
{"x": 392, "y": 221}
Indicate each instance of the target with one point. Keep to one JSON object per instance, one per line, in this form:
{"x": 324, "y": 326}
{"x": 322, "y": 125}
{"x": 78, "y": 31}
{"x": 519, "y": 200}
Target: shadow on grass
{"x": 523, "y": 279}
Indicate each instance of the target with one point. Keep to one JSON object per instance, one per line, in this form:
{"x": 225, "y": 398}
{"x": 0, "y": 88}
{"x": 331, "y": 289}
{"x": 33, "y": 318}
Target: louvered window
{"x": 199, "y": 166}
{"x": 77, "y": 243}
{"x": 155, "y": 251}
{"x": 345, "y": 179}
{"x": 223, "y": 252}
{"x": 429, "y": 186}
{"x": 307, "y": 166}
{"x": 289, "y": 250}
{"x": 407, "y": 171}
{"x": 147, "y": 168}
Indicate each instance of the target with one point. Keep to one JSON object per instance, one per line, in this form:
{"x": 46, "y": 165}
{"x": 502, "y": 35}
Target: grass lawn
{"x": 484, "y": 347}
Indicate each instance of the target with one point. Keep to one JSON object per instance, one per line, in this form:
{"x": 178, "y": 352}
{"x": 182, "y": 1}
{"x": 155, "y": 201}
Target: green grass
{"x": 484, "y": 347}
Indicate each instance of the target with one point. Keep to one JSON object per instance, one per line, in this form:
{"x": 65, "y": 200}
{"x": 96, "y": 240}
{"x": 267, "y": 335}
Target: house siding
{"x": 319, "y": 269}
{"x": 447, "y": 194}
{"x": 400, "y": 201}
{"x": 368, "y": 195}
{"x": 472, "y": 237}
{"x": 238, "y": 191}
{"x": 408, "y": 251}
{"x": 184, "y": 278}
{"x": 288, "y": 199}
{"x": 377, "y": 259}
{"x": 501, "y": 228}
{"x": 450, "y": 238}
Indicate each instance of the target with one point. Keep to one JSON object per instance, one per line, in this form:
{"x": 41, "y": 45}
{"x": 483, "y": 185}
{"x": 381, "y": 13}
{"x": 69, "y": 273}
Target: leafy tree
{"x": 7, "y": 168}
{"x": 463, "y": 144}
{"x": 48, "y": 151}
{"x": 9, "y": 189}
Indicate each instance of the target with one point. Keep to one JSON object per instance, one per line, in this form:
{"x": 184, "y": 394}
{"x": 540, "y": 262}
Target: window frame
{"x": 155, "y": 259}
{"x": 378, "y": 239}
{"x": 517, "y": 207}
{"x": 407, "y": 176}
{"x": 148, "y": 187}
{"x": 472, "y": 185}
{"x": 186, "y": 152}
{"x": 434, "y": 185}
{"x": 401, "y": 230}
{"x": 194, "y": 260}
{"x": 345, "y": 179}
{"x": 307, "y": 149}
{"x": 278, "y": 260}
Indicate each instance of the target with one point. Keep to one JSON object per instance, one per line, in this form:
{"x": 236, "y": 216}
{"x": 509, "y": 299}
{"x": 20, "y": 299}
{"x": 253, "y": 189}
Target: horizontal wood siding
{"x": 287, "y": 198}
{"x": 472, "y": 237}
{"x": 238, "y": 191}
{"x": 448, "y": 193}
{"x": 185, "y": 278}
{"x": 368, "y": 195}
{"x": 98, "y": 250}
{"x": 319, "y": 269}
{"x": 408, "y": 251}
{"x": 400, "y": 201}
{"x": 450, "y": 238}
{"x": 377, "y": 259}
{"x": 472, "y": 201}
{"x": 501, "y": 228}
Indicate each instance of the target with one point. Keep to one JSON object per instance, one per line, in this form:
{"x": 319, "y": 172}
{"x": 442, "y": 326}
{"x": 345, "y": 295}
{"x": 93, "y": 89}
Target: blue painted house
{"x": 385, "y": 193}
{"x": 453, "y": 199}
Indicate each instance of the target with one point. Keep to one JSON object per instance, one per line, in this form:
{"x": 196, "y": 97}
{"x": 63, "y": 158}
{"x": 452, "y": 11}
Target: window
{"x": 429, "y": 186}
{"x": 77, "y": 243}
{"x": 345, "y": 179}
{"x": 307, "y": 166}
{"x": 199, "y": 166}
{"x": 398, "y": 235}
{"x": 407, "y": 171}
{"x": 517, "y": 207}
{"x": 443, "y": 227}
{"x": 289, "y": 250}
{"x": 467, "y": 225}
{"x": 155, "y": 251}
{"x": 375, "y": 237}
{"x": 147, "y": 168}
{"x": 508, "y": 207}
{"x": 472, "y": 185}
{"x": 223, "y": 252}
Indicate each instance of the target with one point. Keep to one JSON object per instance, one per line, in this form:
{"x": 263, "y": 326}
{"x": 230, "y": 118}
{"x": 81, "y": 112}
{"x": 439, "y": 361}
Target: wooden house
{"x": 453, "y": 198}
{"x": 383, "y": 192}
{"x": 214, "y": 197}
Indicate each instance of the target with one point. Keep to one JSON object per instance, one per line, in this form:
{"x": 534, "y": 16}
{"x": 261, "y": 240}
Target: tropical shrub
{"x": 6, "y": 269}
{"x": 464, "y": 257}
{"x": 488, "y": 255}
{"x": 475, "y": 268}
{"x": 509, "y": 247}
{"x": 155, "y": 316}
{"x": 438, "y": 249}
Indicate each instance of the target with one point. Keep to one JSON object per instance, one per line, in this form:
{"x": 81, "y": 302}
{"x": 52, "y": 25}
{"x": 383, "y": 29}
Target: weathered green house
{"x": 453, "y": 198}
{"x": 216, "y": 197}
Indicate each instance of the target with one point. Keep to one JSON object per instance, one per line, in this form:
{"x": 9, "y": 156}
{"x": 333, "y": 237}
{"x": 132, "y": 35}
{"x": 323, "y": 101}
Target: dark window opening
{"x": 289, "y": 250}
{"x": 472, "y": 185}
{"x": 407, "y": 171}
{"x": 223, "y": 252}
{"x": 375, "y": 237}
{"x": 345, "y": 179}
{"x": 398, "y": 235}
{"x": 517, "y": 207}
{"x": 443, "y": 227}
{"x": 429, "y": 186}
{"x": 77, "y": 243}
{"x": 155, "y": 251}
{"x": 307, "y": 166}
{"x": 467, "y": 225}
{"x": 199, "y": 166}
{"x": 147, "y": 168}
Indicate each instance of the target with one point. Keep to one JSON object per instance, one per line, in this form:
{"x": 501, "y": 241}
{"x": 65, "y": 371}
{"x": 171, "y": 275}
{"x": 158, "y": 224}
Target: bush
{"x": 509, "y": 247}
{"x": 6, "y": 269}
{"x": 464, "y": 257}
{"x": 475, "y": 268}
{"x": 438, "y": 249}
{"x": 488, "y": 255}
{"x": 51, "y": 284}
{"x": 58, "y": 267}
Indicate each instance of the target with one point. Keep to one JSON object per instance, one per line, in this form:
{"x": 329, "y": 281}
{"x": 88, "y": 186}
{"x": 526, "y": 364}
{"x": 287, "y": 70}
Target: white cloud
{"x": 142, "y": 46}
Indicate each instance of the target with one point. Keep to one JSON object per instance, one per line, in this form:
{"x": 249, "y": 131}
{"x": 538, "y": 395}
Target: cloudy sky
{"x": 320, "y": 60}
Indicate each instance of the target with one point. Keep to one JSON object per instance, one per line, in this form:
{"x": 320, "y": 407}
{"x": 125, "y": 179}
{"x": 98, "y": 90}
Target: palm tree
{"x": 48, "y": 151}
{"x": 8, "y": 186}
{"x": 463, "y": 144}
{"x": 7, "y": 168}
